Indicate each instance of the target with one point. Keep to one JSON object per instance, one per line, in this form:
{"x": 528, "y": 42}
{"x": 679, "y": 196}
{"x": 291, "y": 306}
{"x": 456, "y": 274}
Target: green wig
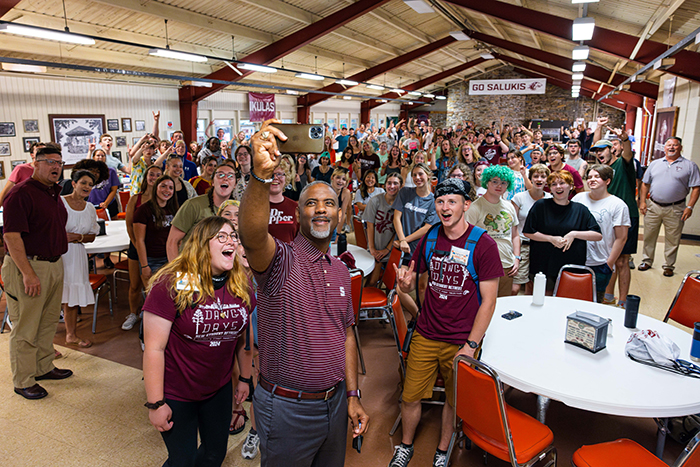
{"x": 499, "y": 171}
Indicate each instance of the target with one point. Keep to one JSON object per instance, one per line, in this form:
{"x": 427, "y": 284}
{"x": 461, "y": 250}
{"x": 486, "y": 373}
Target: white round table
{"x": 529, "y": 354}
{"x": 363, "y": 259}
{"x": 117, "y": 239}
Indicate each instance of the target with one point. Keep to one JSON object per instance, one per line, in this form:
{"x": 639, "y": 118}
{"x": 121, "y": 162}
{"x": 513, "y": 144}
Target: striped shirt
{"x": 304, "y": 309}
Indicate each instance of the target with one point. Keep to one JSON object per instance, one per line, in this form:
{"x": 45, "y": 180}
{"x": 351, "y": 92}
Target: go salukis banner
{"x": 261, "y": 106}
{"x": 507, "y": 86}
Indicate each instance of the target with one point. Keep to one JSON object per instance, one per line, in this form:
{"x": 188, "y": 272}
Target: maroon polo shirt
{"x": 304, "y": 310}
{"x": 36, "y": 211}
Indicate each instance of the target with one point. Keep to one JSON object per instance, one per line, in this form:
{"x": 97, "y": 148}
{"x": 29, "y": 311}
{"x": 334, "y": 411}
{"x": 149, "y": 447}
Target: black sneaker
{"x": 402, "y": 456}
{"x": 108, "y": 263}
{"x": 440, "y": 459}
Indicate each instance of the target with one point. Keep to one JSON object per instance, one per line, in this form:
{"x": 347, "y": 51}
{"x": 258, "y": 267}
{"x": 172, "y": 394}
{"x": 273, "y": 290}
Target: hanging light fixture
{"x": 167, "y": 53}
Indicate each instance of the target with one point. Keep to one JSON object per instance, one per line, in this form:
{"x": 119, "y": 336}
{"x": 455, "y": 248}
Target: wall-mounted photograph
{"x": 117, "y": 154}
{"x": 113, "y": 124}
{"x": 16, "y": 163}
{"x": 121, "y": 141}
{"x": 7, "y": 129}
{"x": 5, "y": 149}
{"x": 2, "y": 170}
{"x": 140, "y": 125}
{"x": 666, "y": 121}
{"x": 135, "y": 140}
{"x": 28, "y": 141}
{"x": 126, "y": 125}
{"x": 74, "y": 133}
{"x": 31, "y": 126}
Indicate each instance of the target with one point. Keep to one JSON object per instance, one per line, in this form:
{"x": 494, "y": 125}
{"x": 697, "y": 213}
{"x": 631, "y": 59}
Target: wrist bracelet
{"x": 143, "y": 267}
{"x": 245, "y": 380}
{"x": 261, "y": 180}
{"x": 689, "y": 207}
{"x": 81, "y": 238}
{"x": 154, "y": 406}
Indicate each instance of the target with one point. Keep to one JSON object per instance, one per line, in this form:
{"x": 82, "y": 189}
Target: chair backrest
{"x": 389, "y": 277}
{"x": 578, "y": 285}
{"x": 360, "y": 235}
{"x": 479, "y": 401}
{"x": 103, "y": 214}
{"x": 124, "y": 198}
{"x": 690, "y": 457}
{"x": 356, "y": 290}
{"x": 398, "y": 326}
{"x": 356, "y": 209}
{"x": 684, "y": 308}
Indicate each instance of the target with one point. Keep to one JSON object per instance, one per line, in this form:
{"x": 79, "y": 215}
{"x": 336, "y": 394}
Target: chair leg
{"x": 111, "y": 311}
{"x": 396, "y": 425}
{"x": 114, "y": 283}
{"x": 94, "y": 313}
{"x": 6, "y": 319}
{"x": 451, "y": 446}
{"x": 359, "y": 349}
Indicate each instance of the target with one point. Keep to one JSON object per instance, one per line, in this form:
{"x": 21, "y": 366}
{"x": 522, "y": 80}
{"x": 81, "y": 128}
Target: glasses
{"x": 223, "y": 175}
{"x": 223, "y": 237}
{"x": 495, "y": 181}
{"x": 278, "y": 175}
{"x": 52, "y": 162}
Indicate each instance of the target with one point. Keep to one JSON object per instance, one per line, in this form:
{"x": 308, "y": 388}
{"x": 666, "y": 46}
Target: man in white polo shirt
{"x": 668, "y": 181}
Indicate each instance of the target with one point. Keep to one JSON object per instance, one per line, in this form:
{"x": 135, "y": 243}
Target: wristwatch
{"x": 518, "y": 257}
{"x": 472, "y": 344}
{"x": 355, "y": 393}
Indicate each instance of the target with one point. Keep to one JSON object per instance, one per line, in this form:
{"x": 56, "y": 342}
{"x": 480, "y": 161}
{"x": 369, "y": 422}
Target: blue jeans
{"x": 156, "y": 263}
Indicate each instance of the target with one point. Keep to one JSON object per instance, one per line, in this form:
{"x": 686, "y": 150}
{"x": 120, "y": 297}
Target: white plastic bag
{"x": 651, "y": 346}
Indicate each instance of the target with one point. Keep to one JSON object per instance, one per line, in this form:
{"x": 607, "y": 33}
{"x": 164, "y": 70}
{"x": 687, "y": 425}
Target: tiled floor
{"x": 97, "y": 416}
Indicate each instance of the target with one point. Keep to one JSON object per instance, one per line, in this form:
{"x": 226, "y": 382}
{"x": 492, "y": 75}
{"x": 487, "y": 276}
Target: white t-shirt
{"x": 609, "y": 212}
{"x": 524, "y": 203}
{"x": 498, "y": 220}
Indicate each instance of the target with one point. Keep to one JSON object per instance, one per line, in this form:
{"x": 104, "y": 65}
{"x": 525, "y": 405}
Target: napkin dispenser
{"x": 587, "y": 331}
{"x": 103, "y": 227}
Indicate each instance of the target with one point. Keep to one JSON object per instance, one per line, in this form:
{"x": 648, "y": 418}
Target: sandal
{"x": 232, "y": 430}
{"x": 82, "y": 343}
{"x": 57, "y": 354}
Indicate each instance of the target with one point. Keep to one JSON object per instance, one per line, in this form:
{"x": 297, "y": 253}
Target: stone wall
{"x": 438, "y": 119}
{"x": 555, "y": 104}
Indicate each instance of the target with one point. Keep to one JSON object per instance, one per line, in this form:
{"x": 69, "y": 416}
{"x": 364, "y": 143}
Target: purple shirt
{"x": 36, "y": 211}
{"x": 304, "y": 310}
{"x": 100, "y": 191}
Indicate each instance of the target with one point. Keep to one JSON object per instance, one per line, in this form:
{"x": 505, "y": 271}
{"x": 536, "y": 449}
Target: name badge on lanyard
{"x": 459, "y": 256}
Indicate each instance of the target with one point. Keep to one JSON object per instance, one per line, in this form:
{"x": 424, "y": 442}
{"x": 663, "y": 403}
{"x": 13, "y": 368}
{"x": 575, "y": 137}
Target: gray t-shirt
{"x": 381, "y": 214}
{"x": 575, "y": 163}
{"x": 415, "y": 212}
{"x": 114, "y": 163}
{"x": 671, "y": 182}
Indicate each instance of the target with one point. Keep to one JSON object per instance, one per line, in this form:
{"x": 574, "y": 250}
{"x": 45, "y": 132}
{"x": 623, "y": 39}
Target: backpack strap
{"x": 470, "y": 246}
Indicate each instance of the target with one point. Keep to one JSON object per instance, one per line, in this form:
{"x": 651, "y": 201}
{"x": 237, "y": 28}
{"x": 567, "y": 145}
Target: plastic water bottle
{"x": 538, "y": 289}
{"x": 695, "y": 348}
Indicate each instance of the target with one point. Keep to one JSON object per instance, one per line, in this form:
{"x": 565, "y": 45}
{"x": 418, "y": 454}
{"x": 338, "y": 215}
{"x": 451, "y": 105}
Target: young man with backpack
{"x": 464, "y": 267}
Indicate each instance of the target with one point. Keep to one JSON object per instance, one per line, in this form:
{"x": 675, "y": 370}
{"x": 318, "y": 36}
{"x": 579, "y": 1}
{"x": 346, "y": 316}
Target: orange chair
{"x": 356, "y": 279}
{"x": 482, "y": 416}
{"x": 360, "y": 235}
{"x": 625, "y": 452}
{"x": 580, "y": 286}
{"x": 98, "y": 282}
{"x": 400, "y": 328}
{"x": 103, "y": 214}
{"x": 373, "y": 298}
{"x": 684, "y": 308}
{"x": 123, "y": 201}
{"x": 121, "y": 268}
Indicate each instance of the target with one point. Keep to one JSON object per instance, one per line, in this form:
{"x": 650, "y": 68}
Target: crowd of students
{"x": 182, "y": 220}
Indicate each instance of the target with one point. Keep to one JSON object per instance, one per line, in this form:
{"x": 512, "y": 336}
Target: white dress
{"x": 76, "y": 280}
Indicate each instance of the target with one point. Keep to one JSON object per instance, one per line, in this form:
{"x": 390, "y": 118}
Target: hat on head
{"x": 453, "y": 186}
{"x": 490, "y": 134}
{"x": 602, "y": 144}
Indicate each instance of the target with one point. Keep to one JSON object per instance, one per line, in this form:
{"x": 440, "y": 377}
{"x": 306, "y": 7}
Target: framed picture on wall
{"x": 126, "y": 125}
{"x": 28, "y": 143}
{"x": 74, "y": 133}
{"x": 121, "y": 141}
{"x": 5, "y": 149}
{"x": 117, "y": 154}
{"x": 7, "y": 129}
{"x": 140, "y": 125}
{"x": 666, "y": 120}
{"x": 16, "y": 163}
{"x": 113, "y": 124}
{"x": 31, "y": 126}
{"x": 135, "y": 140}
{"x": 2, "y": 170}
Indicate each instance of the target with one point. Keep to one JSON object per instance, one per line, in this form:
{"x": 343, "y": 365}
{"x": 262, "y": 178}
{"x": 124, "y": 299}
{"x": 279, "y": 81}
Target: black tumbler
{"x": 342, "y": 244}
{"x": 631, "y": 311}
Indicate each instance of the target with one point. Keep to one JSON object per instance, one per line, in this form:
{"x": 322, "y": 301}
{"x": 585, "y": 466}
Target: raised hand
{"x": 266, "y": 155}
{"x": 156, "y": 115}
{"x": 404, "y": 277}
{"x": 602, "y": 121}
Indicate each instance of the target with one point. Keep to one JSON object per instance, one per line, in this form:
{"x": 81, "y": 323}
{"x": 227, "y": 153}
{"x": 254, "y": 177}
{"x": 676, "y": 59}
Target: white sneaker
{"x": 130, "y": 321}
{"x": 251, "y": 446}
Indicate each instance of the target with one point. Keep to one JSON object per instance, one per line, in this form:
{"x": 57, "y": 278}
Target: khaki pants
{"x": 505, "y": 284}
{"x": 670, "y": 217}
{"x": 34, "y": 319}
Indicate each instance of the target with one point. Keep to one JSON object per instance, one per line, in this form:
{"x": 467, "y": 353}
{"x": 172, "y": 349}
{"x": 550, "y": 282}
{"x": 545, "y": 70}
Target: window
{"x": 201, "y": 127}
{"x": 318, "y": 121}
{"x": 343, "y": 122}
{"x": 222, "y": 129}
{"x": 353, "y": 123}
{"x": 331, "y": 123}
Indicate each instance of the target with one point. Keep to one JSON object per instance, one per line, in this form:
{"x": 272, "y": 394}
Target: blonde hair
{"x": 227, "y": 203}
{"x": 290, "y": 172}
{"x": 475, "y": 153}
{"x": 193, "y": 264}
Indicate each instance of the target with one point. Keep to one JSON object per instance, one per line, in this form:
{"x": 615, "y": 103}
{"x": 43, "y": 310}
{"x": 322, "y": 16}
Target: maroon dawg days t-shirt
{"x": 200, "y": 353}
{"x": 283, "y": 220}
{"x": 451, "y": 301}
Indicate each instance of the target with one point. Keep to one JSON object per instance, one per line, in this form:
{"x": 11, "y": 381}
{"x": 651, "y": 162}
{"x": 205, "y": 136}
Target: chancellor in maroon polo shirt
{"x": 35, "y": 237}
{"x": 308, "y": 355}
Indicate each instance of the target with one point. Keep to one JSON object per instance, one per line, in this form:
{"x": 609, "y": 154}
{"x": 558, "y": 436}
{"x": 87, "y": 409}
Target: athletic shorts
{"x": 630, "y": 247}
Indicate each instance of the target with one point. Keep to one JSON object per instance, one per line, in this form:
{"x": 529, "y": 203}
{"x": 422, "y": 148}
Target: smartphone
{"x": 512, "y": 314}
{"x": 357, "y": 443}
{"x": 301, "y": 138}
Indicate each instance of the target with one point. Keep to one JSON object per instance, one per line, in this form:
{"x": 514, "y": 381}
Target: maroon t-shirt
{"x": 578, "y": 181}
{"x": 201, "y": 348}
{"x": 37, "y": 212}
{"x": 451, "y": 301}
{"x": 491, "y": 153}
{"x": 283, "y": 220}
{"x": 156, "y": 236}
{"x": 371, "y": 162}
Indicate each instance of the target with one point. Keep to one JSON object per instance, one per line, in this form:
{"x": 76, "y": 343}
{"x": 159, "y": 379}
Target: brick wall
{"x": 555, "y": 104}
